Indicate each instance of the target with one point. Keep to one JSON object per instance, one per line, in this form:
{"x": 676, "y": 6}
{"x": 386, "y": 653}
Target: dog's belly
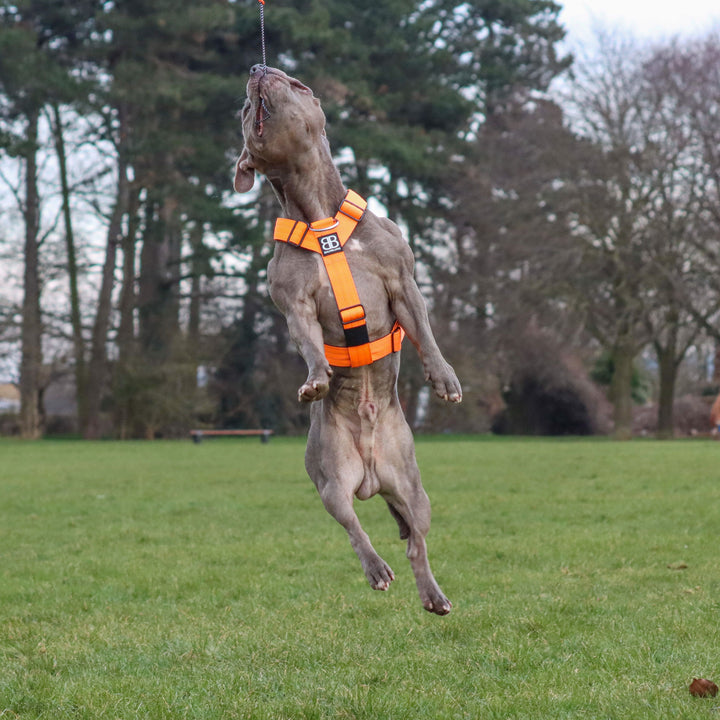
{"x": 367, "y": 413}
{"x": 361, "y": 401}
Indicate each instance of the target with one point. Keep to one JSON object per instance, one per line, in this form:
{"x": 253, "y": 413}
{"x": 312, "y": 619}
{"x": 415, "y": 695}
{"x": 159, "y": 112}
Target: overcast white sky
{"x": 644, "y": 18}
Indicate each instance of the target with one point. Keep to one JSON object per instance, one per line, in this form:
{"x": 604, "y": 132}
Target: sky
{"x": 645, "y": 19}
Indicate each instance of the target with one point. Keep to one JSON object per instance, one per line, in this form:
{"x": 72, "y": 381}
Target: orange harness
{"x": 327, "y": 238}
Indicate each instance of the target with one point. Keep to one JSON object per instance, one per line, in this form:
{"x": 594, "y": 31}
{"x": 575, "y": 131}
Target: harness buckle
{"x": 396, "y": 337}
{"x": 296, "y": 238}
{"x": 352, "y": 209}
{"x": 352, "y": 314}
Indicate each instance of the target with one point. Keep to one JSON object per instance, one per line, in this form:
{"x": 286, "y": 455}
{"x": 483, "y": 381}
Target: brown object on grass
{"x": 700, "y": 687}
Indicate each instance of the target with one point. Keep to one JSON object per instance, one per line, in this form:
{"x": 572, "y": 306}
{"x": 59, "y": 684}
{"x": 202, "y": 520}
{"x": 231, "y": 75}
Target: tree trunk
{"x": 623, "y": 355}
{"x": 97, "y": 368}
{"x": 668, "y": 362}
{"x": 75, "y": 314}
{"x": 126, "y": 343}
{"x": 31, "y": 360}
{"x": 666, "y": 400}
{"x": 128, "y": 299}
{"x": 193, "y": 332}
{"x": 158, "y": 296}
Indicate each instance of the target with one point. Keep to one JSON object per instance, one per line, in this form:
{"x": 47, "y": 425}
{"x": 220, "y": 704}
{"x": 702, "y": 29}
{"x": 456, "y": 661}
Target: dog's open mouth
{"x": 259, "y": 85}
{"x": 261, "y": 115}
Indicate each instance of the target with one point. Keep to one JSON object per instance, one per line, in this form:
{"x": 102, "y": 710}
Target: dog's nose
{"x": 255, "y": 69}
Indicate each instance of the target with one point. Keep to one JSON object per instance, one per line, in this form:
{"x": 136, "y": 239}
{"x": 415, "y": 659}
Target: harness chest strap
{"x": 327, "y": 238}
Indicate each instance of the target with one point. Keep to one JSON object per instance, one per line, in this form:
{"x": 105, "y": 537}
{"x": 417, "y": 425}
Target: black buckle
{"x": 357, "y": 336}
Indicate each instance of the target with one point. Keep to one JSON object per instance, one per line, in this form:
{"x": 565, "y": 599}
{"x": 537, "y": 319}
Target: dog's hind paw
{"x": 433, "y": 598}
{"x": 379, "y": 574}
{"x": 439, "y": 605}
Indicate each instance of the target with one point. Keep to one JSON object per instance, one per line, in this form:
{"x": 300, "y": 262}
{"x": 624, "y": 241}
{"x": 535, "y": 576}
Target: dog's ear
{"x": 244, "y": 173}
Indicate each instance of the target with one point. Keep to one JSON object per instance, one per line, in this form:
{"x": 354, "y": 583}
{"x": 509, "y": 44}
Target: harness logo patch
{"x": 329, "y": 244}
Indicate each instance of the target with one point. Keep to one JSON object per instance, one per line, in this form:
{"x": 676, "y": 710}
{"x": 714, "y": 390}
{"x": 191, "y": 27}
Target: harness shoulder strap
{"x": 340, "y": 228}
{"x": 294, "y": 232}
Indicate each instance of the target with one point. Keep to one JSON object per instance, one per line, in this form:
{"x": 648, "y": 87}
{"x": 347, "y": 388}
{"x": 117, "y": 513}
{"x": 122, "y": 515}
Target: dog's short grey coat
{"x": 359, "y": 443}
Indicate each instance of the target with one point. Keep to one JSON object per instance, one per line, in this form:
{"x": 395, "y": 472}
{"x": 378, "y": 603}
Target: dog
{"x": 359, "y": 443}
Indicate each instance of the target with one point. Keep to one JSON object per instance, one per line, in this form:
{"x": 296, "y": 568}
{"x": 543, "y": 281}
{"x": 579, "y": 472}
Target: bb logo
{"x": 330, "y": 244}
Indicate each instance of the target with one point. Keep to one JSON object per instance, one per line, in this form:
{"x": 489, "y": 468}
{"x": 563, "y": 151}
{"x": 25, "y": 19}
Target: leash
{"x": 266, "y": 113}
{"x": 262, "y": 35}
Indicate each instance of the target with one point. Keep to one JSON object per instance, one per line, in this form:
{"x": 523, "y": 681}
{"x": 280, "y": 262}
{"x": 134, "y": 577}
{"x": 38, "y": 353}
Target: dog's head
{"x": 281, "y": 118}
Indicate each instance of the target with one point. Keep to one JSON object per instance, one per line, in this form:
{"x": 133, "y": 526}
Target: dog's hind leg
{"x": 336, "y": 468}
{"x": 402, "y": 489}
{"x": 340, "y": 506}
{"x": 400, "y": 520}
{"x": 416, "y": 514}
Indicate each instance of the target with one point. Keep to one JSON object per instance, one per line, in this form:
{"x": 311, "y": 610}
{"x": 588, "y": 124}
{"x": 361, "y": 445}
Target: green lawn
{"x": 168, "y": 580}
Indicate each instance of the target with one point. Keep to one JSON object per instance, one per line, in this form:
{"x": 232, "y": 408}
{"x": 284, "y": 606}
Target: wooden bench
{"x": 198, "y": 435}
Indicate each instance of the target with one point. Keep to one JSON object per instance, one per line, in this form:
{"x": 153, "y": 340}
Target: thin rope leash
{"x": 262, "y": 35}
{"x": 266, "y": 113}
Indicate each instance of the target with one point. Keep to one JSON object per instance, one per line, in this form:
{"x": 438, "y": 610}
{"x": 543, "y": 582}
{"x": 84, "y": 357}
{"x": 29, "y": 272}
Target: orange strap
{"x": 327, "y": 238}
{"x": 390, "y": 343}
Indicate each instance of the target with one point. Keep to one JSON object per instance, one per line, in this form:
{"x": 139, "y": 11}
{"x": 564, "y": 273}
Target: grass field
{"x": 168, "y": 580}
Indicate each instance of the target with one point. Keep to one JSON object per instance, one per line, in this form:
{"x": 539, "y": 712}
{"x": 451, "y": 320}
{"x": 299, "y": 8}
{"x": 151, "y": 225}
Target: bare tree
{"x": 639, "y": 211}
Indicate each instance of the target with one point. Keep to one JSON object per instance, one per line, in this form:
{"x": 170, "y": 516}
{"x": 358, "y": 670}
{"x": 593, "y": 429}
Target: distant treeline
{"x": 587, "y": 217}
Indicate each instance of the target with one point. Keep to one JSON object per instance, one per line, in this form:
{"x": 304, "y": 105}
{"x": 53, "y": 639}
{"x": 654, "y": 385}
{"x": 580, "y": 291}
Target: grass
{"x": 167, "y": 580}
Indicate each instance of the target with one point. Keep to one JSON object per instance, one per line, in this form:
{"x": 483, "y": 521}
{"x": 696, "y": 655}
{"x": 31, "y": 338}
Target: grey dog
{"x": 359, "y": 443}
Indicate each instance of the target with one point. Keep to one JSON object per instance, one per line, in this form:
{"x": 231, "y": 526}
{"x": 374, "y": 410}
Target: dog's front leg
{"x": 293, "y": 289}
{"x": 409, "y": 308}
{"x": 306, "y": 332}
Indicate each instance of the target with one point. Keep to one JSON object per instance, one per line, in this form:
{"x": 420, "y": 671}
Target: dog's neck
{"x": 309, "y": 187}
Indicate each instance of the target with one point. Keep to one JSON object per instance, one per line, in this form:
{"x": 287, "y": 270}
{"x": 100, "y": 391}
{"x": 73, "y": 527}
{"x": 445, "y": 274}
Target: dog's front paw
{"x": 311, "y": 391}
{"x": 445, "y": 383}
{"x": 315, "y": 388}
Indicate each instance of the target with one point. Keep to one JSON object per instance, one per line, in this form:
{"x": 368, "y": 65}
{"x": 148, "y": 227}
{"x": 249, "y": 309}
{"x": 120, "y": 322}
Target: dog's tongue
{"x": 259, "y": 118}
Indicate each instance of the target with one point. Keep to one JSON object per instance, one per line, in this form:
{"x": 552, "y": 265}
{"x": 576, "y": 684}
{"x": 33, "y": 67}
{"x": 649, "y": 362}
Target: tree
{"x": 173, "y": 89}
{"x": 35, "y": 43}
{"x": 506, "y": 246}
{"x": 656, "y": 236}
{"x": 447, "y": 155}
{"x": 408, "y": 88}
{"x": 613, "y": 200}
{"x": 691, "y": 83}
